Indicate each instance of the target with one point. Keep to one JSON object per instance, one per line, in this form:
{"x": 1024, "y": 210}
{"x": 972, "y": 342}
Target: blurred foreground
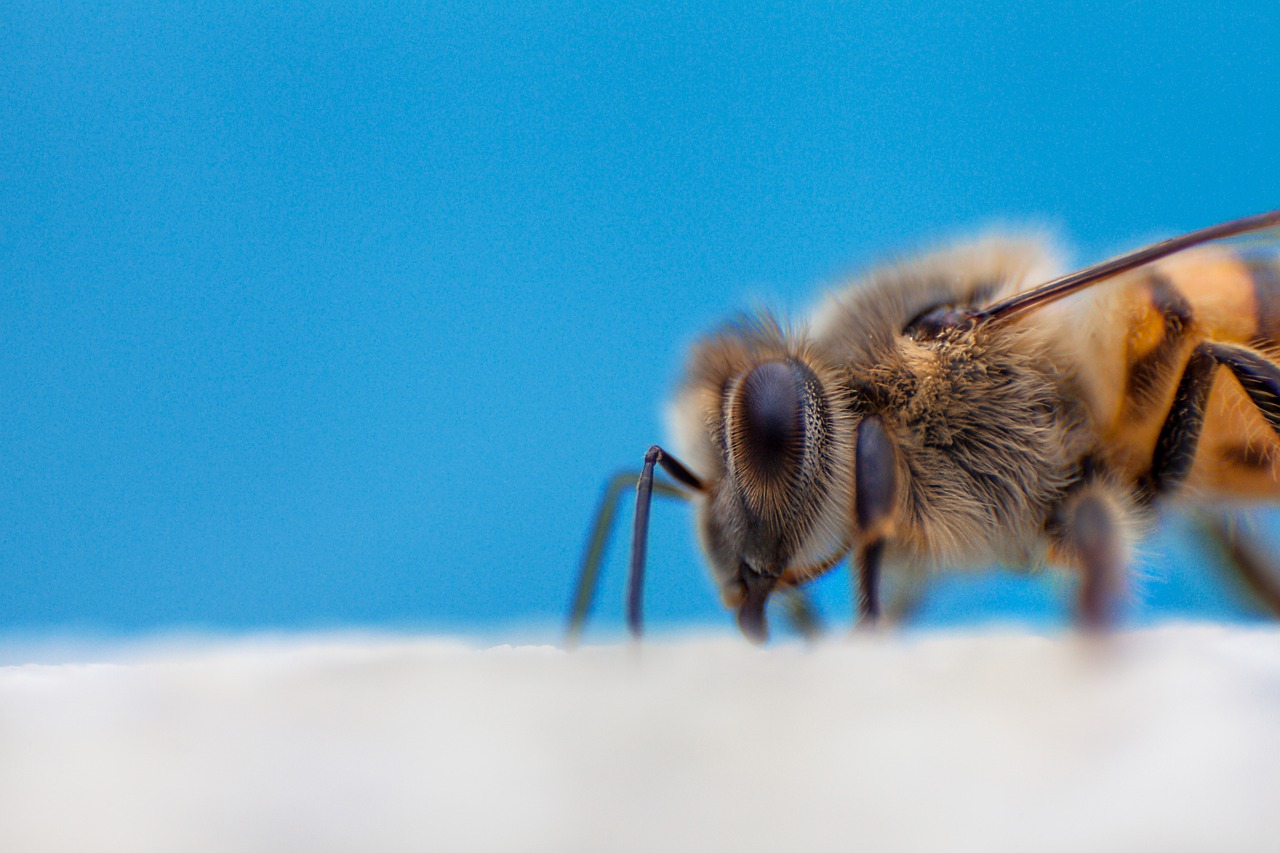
{"x": 1162, "y": 739}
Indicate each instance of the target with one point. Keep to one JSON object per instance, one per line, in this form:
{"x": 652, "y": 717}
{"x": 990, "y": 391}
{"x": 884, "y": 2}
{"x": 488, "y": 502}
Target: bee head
{"x": 775, "y": 422}
{"x": 767, "y": 424}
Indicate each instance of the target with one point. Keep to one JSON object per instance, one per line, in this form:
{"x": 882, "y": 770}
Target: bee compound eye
{"x": 768, "y": 420}
{"x": 772, "y": 405}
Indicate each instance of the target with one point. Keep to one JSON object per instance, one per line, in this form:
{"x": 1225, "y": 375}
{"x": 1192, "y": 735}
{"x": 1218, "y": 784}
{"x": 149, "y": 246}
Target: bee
{"x": 955, "y": 409}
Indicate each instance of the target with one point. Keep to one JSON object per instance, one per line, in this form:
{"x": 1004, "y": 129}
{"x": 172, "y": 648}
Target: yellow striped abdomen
{"x": 1152, "y": 320}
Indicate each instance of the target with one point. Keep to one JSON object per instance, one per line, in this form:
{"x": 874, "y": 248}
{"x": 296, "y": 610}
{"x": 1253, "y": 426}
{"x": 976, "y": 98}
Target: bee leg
{"x": 1176, "y": 446}
{"x": 869, "y": 581}
{"x": 1091, "y": 530}
{"x": 801, "y": 613}
{"x": 1258, "y": 375}
{"x": 1247, "y": 557}
{"x": 906, "y": 596}
{"x": 875, "y": 500}
{"x": 640, "y": 530}
{"x": 597, "y": 545}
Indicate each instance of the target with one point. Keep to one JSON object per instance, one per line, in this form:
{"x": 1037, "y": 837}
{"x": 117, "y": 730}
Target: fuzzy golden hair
{"x": 984, "y": 422}
{"x": 1011, "y": 441}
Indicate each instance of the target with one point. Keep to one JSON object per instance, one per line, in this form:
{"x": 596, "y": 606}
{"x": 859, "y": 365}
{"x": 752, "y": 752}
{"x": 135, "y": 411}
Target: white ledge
{"x": 1160, "y": 739}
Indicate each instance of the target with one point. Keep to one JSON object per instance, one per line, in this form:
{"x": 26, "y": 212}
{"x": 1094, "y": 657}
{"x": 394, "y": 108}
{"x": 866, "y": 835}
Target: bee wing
{"x": 1253, "y": 233}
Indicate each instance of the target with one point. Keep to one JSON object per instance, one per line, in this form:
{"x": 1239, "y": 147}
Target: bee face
{"x": 767, "y": 425}
{"x": 774, "y": 437}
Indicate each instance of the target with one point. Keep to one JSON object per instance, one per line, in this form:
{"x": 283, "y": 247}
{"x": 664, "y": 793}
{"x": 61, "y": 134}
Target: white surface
{"x": 1164, "y": 740}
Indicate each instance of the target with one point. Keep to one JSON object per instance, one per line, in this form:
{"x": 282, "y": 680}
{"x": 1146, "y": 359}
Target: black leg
{"x": 1176, "y": 449}
{"x": 597, "y": 545}
{"x": 1258, "y": 375}
{"x": 1090, "y": 528}
{"x": 869, "y": 581}
{"x": 640, "y": 531}
{"x": 874, "y": 503}
{"x": 1176, "y": 446}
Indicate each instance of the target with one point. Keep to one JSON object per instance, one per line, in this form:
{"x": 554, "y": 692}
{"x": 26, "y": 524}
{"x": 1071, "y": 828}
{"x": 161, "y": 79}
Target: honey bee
{"x": 954, "y": 409}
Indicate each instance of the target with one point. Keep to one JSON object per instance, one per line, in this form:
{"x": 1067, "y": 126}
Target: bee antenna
{"x": 640, "y": 532}
{"x": 1089, "y": 276}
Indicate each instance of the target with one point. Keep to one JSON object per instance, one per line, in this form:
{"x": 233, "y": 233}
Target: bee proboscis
{"x": 953, "y": 409}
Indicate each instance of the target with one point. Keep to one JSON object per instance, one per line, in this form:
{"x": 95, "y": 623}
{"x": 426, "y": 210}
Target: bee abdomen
{"x": 1169, "y": 321}
{"x": 1211, "y": 294}
{"x": 1207, "y": 294}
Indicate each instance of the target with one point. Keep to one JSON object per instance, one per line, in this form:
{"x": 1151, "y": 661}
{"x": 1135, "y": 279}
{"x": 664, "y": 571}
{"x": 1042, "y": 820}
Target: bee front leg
{"x": 869, "y": 557}
{"x": 640, "y": 528}
{"x": 598, "y": 542}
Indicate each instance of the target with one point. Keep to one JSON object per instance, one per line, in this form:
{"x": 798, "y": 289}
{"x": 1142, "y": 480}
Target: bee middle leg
{"x": 802, "y": 614}
{"x": 1247, "y": 556}
{"x": 1091, "y": 533}
{"x": 1089, "y": 525}
{"x": 598, "y": 543}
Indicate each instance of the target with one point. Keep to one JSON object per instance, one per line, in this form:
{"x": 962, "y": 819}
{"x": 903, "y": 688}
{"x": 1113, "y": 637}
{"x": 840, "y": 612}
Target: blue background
{"x": 326, "y": 315}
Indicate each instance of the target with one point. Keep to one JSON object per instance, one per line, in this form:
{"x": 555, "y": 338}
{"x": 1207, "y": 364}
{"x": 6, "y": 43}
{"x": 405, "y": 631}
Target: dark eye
{"x": 769, "y": 429}
{"x": 772, "y": 407}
